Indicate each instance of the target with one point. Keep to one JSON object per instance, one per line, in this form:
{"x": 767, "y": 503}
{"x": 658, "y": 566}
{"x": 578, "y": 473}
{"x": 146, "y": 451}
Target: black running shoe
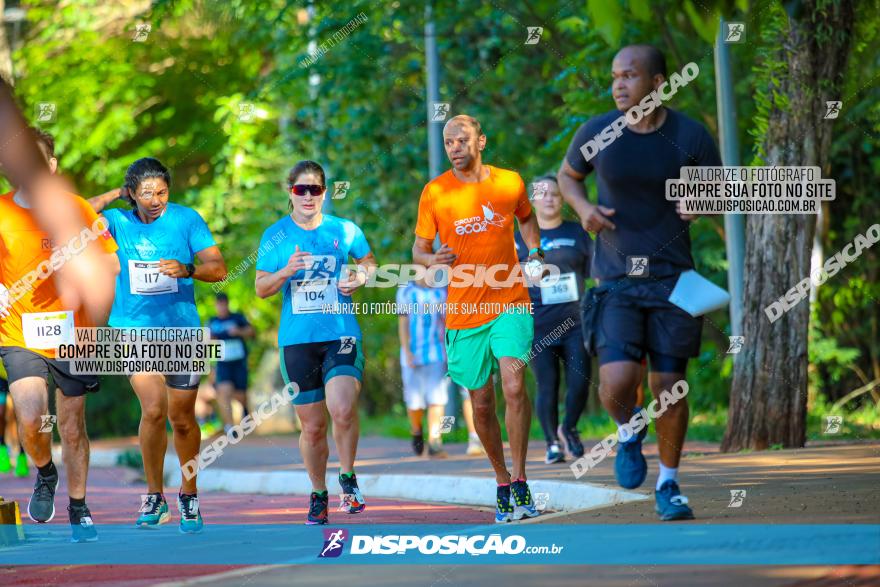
{"x": 356, "y": 502}
{"x": 524, "y": 507}
{"x": 81, "y": 525}
{"x": 41, "y": 507}
{"x": 418, "y": 444}
{"x": 571, "y": 441}
{"x": 503, "y": 507}
{"x": 317, "y": 509}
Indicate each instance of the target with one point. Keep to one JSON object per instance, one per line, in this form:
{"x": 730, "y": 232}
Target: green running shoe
{"x": 153, "y": 512}
{"x": 21, "y": 466}
{"x": 5, "y": 463}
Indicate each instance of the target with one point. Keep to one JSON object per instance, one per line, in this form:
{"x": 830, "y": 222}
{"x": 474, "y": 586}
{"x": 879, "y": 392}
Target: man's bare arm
{"x": 84, "y": 281}
{"x": 530, "y": 231}
{"x": 594, "y": 218}
{"x": 423, "y": 254}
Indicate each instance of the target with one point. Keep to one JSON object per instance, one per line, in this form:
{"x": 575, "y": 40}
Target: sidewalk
{"x": 830, "y": 483}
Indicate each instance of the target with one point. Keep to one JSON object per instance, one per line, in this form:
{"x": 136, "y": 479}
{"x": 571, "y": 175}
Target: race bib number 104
{"x": 312, "y": 296}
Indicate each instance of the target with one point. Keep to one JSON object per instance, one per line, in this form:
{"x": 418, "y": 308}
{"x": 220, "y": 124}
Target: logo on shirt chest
{"x": 482, "y": 223}
{"x": 322, "y": 267}
{"x": 556, "y": 243}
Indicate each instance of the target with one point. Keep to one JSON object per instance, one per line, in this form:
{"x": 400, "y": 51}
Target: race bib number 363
{"x": 146, "y": 280}
{"x": 47, "y": 330}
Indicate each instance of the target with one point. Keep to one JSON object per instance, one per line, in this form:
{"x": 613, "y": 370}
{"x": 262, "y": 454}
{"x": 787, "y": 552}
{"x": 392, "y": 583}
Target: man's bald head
{"x": 464, "y": 120}
{"x": 463, "y": 140}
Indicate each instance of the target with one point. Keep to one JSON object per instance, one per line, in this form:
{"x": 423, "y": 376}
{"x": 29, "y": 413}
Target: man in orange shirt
{"x": 472, "y": 207}
{"x": 33, "y": 322}
{"x": 86, "y": 282}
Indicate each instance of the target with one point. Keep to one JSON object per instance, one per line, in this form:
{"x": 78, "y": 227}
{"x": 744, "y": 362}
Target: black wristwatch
{"x": 190, "y": 269}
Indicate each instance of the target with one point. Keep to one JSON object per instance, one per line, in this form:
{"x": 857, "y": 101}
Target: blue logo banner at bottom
{"x": 527, "y": 544}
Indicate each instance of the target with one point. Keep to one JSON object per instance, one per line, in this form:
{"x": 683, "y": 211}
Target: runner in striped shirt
{"x": 423, "y": 361}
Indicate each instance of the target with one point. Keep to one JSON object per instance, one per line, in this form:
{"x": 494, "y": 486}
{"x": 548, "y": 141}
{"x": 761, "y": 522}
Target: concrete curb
{"x": 103, "y": 458}
{"x": 564, "y": 496}
{"x": 463, "y": 490}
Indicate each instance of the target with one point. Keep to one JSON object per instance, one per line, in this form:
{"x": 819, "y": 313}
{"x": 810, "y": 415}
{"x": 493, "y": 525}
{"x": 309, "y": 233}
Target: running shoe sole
{"x": 674, "y": 517}
{"x": 162, "y": 519}
{"x": 520, "y": 512}
{"x": 199, "y": 531}
{"x": 76, "y": 540}
{"x": 53, "y": 507}
{"x": 560, "y": 458}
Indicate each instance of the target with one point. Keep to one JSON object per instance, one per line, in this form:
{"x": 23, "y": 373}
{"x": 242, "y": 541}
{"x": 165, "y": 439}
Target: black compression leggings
{"x": 545, "y": 365}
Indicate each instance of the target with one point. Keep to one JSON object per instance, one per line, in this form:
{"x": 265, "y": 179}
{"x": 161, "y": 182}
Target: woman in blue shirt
{"x": 159, "y": 242}
{"x": 319, "y": 337}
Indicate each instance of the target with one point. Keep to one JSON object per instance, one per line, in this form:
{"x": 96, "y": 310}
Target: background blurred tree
{"x": 178, "y": 95}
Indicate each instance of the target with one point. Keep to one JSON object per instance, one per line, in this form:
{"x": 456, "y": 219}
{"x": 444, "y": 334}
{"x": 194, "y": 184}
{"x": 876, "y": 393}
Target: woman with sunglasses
{"x": 319, "y": 338}
{"x": 159, "y": 243}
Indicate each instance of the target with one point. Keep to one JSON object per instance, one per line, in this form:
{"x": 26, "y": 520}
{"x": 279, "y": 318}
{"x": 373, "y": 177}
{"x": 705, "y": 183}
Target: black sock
{"x": 48, "y": 469}
{"x": 190, "y": 495}
{"x": 75, "y": 501}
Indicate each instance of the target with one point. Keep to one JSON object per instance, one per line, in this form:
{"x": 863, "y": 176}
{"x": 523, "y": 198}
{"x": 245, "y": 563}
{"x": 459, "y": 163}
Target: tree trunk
{"x": 768, "y": 397}
{"x": 5, "y": 51}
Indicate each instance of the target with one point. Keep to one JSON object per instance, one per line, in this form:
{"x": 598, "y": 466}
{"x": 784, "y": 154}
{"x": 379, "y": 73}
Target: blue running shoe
{"x": 503, "y": 509}
{"x": 349, "y": 484}
{"x": 554, "y": 454}
{"x": 630, "y": 466}
{"x": 190, "y": 517}
{"x": 317, "y": 509}
{"x": 81, "y": 525}
{"x": 671, "y": 504}
{"x": 153, "y": 512}
{"x": 524, "y": 506}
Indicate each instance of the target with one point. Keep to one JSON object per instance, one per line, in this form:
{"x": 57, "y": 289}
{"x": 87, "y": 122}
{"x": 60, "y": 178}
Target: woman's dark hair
{"x": 144, "y": 168}
{"x": 305, "y": 166}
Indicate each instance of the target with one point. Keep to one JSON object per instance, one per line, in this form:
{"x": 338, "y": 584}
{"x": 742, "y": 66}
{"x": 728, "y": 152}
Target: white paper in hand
{"x": 696, "y": 295}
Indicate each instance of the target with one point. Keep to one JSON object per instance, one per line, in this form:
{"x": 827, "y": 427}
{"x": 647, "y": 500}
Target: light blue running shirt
{"x": 144, "y": 297}
{"x": 426, "y": 322}
{"x": 310, "y": 291}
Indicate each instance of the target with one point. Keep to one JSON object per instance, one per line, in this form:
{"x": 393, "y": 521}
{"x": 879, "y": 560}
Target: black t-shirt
{"x": 569, "y": 247}
{"x": 235, "y": 346}
{"x": 631, "y": 176}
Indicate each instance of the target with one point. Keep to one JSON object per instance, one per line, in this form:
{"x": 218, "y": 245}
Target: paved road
{"x": 837, "y": 484}
{"x": 114, "y": 498}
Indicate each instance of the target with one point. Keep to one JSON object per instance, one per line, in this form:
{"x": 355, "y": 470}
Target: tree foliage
{"x": 360, "y": 110}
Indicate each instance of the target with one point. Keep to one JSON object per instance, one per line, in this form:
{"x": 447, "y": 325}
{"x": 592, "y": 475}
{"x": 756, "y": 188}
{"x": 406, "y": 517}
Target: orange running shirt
{"x": 38, "y": 317}
{"x": 476, "y": 221}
